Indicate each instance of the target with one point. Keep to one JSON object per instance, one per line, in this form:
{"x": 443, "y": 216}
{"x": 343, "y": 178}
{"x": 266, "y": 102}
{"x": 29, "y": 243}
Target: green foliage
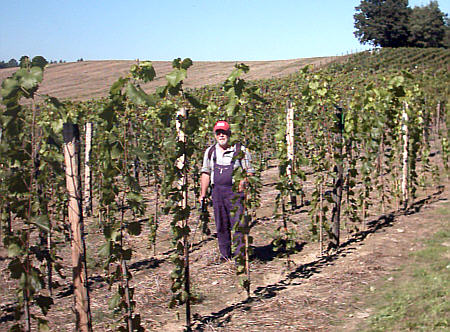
{"x": 39, "y": 61}
{"x": 143, "y": 71}
{"x": 390, "y": 23}
{"x": 243, "y": 112}
{"x": 446, "y": 40}
{"x": 426, "y": 26}
{"x": 24, "y": 61}
{"x": 10, "y": 64}
{"x": 135, "y": 137}
{"x": 382, "y": 22}
{"x": 30, "y": 157}
{"x": 120, "y": 189}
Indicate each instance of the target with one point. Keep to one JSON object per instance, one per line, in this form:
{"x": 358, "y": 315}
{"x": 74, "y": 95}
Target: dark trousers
{"x": 225, "y": 201}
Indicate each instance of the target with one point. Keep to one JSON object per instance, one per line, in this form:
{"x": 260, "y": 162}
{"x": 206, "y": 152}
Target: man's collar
{"x": 230, "y": 147}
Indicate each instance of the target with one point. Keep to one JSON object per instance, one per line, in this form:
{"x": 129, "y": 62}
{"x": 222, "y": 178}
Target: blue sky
{"x": 163, "y": 30}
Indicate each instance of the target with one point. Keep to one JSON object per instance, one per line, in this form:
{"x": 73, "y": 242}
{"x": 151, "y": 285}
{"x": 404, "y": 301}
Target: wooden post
{"x": 126, "y": 286}
{"x": 246, "y": 244}
{"x": 87, "y": 171}
{"x": 338, "y": 182}
{"x": 136, "y": 161}
{"x": 290, "y": 147}
{"x": 71, "y": 137}
{"x": 405, "y": 155}
{"x": 321, "y": 218}
{"x": 381, "y": 156}
{"x": 438, "y": 117}
{"x": 156, "y": 208}
{"x": 183, "y": 183}
{"x": 26, "y": 303}
{"x": 49, "y": 248}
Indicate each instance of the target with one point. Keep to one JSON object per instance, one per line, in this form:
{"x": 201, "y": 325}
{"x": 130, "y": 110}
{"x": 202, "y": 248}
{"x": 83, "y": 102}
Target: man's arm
{"x": 205, "y": 175}
{"x": 204, "y": 183}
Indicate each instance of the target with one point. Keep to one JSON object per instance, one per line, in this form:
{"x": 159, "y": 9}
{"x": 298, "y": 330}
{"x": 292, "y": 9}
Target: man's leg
{"x": 234, "y": 204}
{"x": 222, "y": 221}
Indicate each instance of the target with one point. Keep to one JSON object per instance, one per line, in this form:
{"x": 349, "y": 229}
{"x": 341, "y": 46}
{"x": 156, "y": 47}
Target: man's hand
{"x": 203, "y": 204}
{"x": 242, "y": 185}
{"x": 204, "y": 183}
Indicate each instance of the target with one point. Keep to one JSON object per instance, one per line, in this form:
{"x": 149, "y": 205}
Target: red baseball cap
{"x": 221, "y": 125}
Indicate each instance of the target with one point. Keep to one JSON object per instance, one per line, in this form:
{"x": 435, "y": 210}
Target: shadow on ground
{"x": 305, "y": 271}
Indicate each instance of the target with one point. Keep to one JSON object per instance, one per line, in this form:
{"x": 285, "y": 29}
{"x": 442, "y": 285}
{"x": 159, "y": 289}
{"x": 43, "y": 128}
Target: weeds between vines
{"x": 136, "y": 128}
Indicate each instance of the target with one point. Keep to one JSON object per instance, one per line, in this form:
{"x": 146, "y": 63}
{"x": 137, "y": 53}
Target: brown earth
{"x": 92, "y": 79}
{"x": 313, "y": 294}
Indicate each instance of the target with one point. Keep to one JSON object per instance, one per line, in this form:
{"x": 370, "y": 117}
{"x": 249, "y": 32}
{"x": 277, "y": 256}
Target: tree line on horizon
{"x": 38, "y": 60}
{"x": 380, "y": 23}
{"x": 392, "y": 23}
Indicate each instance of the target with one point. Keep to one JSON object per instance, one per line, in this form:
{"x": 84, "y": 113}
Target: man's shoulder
{"x": 209, "y": 150}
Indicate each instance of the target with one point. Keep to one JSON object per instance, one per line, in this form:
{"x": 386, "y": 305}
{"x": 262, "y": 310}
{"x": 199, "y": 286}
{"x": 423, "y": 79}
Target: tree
{"x": 39, "y": 61}
{"x": 446, "y": 41}
{"x": 382, "y": 22}
{"x": 427, "y": 26}
{"x": 24, "y": 61}
{"x": 13, "y": 63}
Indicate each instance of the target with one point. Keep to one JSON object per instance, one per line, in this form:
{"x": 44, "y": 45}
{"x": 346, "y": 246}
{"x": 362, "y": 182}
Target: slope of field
{"x": 92, "y": 79}
{"x": 316, "y": 291}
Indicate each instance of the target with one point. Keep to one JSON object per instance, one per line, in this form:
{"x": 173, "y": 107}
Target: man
{"x": 218, "y": 166}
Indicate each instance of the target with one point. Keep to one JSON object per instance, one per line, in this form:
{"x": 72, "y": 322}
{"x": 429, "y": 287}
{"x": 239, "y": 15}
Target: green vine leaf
{"x": 126, "y": 254}
{"x": 42, "y": 221}
{"x": 14, "y": 250}
{"x": 134, "y": 228}
{"x": 115, "y": 301}
{"x": 16, "y": 268}
{"x": 143, "y": 71}
{"x": 176, "y": 77}
{"x": 138, "y": 96}
{"x": 43, "y": 325}
{"x": 44, "y": 302}
{"x": 10, "y": 86}
{"x": 186, "y": 63}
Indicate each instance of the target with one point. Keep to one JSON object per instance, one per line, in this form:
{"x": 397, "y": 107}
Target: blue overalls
{"x": 224, "y": 203}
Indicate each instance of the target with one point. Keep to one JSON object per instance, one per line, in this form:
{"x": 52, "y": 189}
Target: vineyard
{"x": 101, "y": 228}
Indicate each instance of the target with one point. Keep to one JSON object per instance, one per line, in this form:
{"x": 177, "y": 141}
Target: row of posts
{"x": 71, "y": 137}
{"x": 338, "y": 168}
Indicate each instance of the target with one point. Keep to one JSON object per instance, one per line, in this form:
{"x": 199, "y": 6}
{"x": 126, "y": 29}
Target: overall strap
{"x": 212, "y": 153}
{"x": 236, "y": 152}
{"x": 212, "y": 150}
{"x": 238, "y": 148}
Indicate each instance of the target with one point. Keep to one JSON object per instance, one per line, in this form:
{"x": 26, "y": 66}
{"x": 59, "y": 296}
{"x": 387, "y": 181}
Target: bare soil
{"x": 315, "y": 293}
{"x": 92, "y": 79}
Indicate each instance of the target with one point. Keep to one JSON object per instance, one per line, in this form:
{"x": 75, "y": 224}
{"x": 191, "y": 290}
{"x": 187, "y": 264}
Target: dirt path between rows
{"x": 314, "y": 294}
{"x": 319, "y": 294}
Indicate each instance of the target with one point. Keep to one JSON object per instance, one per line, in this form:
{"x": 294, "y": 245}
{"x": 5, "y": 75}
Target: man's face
{"x": 222, "y": 137}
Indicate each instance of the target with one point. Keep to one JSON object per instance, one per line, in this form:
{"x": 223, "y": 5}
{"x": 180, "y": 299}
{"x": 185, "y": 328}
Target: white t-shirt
{"x": 225, "y": 157}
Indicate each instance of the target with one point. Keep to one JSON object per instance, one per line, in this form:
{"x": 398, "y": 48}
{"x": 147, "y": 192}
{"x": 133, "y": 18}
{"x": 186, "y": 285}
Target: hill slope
{"x": 92, "y": 79}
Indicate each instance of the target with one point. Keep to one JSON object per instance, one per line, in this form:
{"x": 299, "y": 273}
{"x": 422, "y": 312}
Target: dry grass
{"x": 92, "y": 79}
